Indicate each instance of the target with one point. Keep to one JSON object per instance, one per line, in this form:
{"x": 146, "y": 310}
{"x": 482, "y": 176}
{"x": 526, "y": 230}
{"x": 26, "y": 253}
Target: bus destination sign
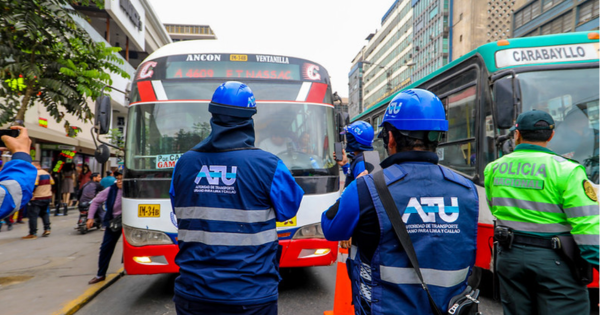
{"x": 241, "y": 66}
{"x": 548, "y": 54}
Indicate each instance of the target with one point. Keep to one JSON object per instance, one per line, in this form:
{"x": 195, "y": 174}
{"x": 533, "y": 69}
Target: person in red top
{"x": 85, "y": 175}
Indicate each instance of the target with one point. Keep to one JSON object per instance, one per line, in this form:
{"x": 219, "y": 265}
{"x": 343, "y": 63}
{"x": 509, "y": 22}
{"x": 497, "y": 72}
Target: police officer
{"x": 359, "y": 138}
{"x": 227, "y": 195}
{"x": 537, "y": 196}
{"x": 439, "y": 207}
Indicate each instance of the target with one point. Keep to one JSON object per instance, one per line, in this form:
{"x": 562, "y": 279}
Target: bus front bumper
{"x": 307, "y": 253}
{"x": 149, "y": 259}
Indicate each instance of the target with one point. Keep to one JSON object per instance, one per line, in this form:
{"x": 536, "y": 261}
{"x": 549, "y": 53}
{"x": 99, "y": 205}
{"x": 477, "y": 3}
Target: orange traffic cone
{"x": 342, "y": 301}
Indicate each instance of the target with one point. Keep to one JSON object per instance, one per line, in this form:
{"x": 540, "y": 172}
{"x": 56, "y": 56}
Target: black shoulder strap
{"x": 401, "y": 232}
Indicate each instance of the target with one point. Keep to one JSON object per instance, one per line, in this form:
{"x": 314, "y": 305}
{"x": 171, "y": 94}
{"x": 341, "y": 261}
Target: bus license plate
{"x": 290, "y": 222}
{"x": 148, "y": 211}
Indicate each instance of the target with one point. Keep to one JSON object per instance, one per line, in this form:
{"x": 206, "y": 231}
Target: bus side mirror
{"x": 343, "y": 120}
{"x": 102, "y": 153}
{"x": 504, "y": 102}
{"x": 102, "y": 115}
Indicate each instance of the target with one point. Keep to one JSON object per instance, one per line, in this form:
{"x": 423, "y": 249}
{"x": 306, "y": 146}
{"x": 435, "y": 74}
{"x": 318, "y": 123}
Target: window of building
{"x": 550, "y": 3}
{"x": 561, "y": 24}
{"x": 587, "y": 12}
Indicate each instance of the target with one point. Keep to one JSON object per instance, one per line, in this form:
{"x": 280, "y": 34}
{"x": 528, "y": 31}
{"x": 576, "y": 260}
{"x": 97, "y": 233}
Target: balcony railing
{"x": 99, "y": 38}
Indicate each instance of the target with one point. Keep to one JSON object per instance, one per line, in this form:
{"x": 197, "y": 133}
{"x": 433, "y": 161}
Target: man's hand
{"x": 22, "y": 143}
{"x": 363, "y": 173}
{"x": 89, "y": 223}
{"x": 346, "y": 244}
{"x": 344, "y": 160}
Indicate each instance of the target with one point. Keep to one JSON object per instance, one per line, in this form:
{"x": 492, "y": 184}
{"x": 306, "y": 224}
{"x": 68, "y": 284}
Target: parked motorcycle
{"x": 84, "y": 207}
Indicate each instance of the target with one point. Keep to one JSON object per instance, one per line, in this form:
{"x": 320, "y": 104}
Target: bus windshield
{"x": 301, "y": 134}
{"x": 571, "y": 97}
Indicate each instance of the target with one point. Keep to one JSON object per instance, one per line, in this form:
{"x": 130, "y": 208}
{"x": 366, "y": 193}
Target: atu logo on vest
{"x": 213, "y": 173}
{"x": 429, "y": 206}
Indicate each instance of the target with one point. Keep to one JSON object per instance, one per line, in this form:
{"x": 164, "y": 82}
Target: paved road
{"x": 306, "y": 291}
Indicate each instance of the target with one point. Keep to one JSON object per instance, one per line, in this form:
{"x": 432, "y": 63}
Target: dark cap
{"x": 527, "y": 121}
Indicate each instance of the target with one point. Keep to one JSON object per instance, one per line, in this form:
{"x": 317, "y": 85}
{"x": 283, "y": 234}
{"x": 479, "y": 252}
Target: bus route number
{"x": 148, "y": 211}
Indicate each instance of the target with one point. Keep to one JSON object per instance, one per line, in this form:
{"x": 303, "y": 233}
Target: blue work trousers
{"x": 107, "y": 249}
{"x": 186, "y": 307}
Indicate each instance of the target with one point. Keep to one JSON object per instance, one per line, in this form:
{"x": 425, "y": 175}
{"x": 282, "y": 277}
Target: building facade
{"x": 179, "y": 32}
{"x": 130, "y": 24}
{"x": 544, "y": 17}
{"x": 384, "y": 61}
{"x": 432, "y": 35}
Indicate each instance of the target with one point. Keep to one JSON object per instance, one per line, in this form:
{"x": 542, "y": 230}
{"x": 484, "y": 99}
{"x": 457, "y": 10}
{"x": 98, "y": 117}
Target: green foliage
{"x": 46, "y": 57}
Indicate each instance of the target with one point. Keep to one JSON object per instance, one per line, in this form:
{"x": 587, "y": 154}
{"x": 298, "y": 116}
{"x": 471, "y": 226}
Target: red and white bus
{"x": 168, "y": 115}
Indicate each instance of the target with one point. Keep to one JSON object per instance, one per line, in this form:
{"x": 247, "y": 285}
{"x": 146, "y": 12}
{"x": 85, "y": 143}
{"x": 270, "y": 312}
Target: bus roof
{"x": 207, "y": 47}
{"x": 488, "y": 53}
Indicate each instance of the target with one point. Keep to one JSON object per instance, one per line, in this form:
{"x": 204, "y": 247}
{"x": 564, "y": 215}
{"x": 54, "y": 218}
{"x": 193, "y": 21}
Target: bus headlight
{"x": 309, "y": 231}
{"x": 142, "y": 237}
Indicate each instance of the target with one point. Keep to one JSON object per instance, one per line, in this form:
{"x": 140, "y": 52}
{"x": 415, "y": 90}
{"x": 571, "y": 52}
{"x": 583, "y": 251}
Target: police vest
{"x": 226, "y": 219}
{"x": 440, "y": 210}
{"x": 537, "y": 192}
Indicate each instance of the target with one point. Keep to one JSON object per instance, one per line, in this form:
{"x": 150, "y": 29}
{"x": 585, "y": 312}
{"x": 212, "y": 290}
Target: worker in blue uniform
{"x": 227, "y": 195}
{"x": 438, "y": 206}
{"x": 17, "y": 178}
{"x": 359, "y": 138}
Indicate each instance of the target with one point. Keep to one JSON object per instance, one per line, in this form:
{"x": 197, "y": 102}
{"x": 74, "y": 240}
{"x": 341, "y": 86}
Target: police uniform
{"x": 440, "y": 209}
{"x": 539, "y": 195}
{"x": 227, "y": 196}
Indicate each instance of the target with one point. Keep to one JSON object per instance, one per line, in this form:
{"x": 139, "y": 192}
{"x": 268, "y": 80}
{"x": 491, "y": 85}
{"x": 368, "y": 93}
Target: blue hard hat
{"x": 416, "y": 109}
{"x": 234, "y": 99}
{"x": 362, "y": 132}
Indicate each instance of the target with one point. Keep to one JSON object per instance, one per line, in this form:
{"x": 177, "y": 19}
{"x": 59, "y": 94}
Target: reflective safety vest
{"x": 538, "y": 193}
{"x": 440, "y": 210}
{"x": 357, "y": 166}
{"x": 226, "y": 205}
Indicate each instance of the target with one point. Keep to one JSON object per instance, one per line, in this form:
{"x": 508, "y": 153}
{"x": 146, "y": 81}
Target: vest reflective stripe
{"x": 526, "y": 204}
{"x": 228, "y": 239}
{"x": 14, "y": 189}
{"x": 535, "y": 227}
{"x": 353, "y": 251}
{"x": 582, "y": 211}
{"x": 440, "y": 278}
{"x": 224, "y": 214}
{"x": 586, "y": 239}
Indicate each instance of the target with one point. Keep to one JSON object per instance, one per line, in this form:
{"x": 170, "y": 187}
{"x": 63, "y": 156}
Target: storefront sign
{"x": 47, "y": 146}
{"x": 167, "y": 161}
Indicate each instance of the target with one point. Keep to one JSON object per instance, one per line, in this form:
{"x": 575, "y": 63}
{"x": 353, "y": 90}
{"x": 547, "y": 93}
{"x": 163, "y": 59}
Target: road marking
{"x": 73, "y": 306}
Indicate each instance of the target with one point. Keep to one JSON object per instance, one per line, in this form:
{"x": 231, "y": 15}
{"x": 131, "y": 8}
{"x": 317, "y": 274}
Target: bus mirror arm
{"x": 99, "y": 140}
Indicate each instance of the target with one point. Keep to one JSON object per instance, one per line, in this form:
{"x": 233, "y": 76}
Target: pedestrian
{"x": 438, "y": 206}
{"x": 359, "y": 138}
{"x": 227, "y": 195}
{"x": 112, "y": 196}
{"x": 84, "y": 176}
{"x": 17, "y": 177}
{"x": 67, "y": 187}
{"x": 543, "y": 203}
{"x": 40, "y": 203}
{"x": 108, "y": 180}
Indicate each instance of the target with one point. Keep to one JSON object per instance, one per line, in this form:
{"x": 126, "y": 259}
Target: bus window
{"x": 459, "y": 152}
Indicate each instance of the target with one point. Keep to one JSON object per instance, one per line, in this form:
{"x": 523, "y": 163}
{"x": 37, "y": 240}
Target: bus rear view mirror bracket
{"x": 507, "y": 101}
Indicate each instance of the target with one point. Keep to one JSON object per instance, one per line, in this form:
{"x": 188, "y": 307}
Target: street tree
{"x": 46, "y": 57}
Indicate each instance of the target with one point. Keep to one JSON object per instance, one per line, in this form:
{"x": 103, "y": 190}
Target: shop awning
{"x": 50, "y": 135}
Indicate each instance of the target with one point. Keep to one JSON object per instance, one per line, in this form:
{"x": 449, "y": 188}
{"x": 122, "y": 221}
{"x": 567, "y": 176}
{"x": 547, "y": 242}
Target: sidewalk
{"x": 49, "y": 275}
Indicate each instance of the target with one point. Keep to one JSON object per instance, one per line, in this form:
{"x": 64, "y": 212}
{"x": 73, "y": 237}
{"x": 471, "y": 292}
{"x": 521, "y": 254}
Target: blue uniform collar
{"x": 410, "y": 156}
{"x": 228, "y": 133}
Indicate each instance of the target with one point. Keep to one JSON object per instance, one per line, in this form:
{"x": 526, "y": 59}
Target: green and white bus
{"x": 485, "y": 90}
